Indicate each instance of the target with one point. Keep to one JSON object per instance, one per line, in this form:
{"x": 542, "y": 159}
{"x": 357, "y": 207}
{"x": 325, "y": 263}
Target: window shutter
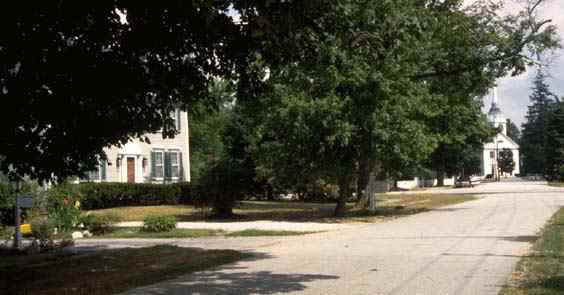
{"x": 103, "y": 170}
{"x": 178, "y": 122}
{"x": 180, "y": 168}
{"x": 153, "y": 164}
{"x": 167, "y": 165}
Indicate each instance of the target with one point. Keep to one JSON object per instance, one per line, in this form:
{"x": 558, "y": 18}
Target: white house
{"x": 160, "y": 161}
{"x": 499, "y": 142}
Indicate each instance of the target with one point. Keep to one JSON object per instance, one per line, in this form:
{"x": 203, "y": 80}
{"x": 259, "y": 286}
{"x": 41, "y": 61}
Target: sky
{"x": 513, "y": 92}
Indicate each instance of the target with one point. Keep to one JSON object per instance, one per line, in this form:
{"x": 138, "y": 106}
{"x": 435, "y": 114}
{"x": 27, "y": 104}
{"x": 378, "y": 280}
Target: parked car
{"x": 464, "y": 182}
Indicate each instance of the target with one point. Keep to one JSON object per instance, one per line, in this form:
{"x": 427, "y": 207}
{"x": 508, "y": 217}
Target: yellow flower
{"x": 77, "y": 204}
{"x": 25, "y": 228}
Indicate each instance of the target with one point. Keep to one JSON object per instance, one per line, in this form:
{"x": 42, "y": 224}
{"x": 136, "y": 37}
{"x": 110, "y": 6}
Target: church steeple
{"x": 495, "y": 115}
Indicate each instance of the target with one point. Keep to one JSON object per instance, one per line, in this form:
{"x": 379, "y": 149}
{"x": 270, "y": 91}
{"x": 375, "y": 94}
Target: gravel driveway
{"x": 469, "y": 248}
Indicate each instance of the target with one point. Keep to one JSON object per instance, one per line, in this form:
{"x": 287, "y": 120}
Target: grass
{"x": 5, "y": 233}
{"x": 104, "y": 271}
{"x": 390, "y": 206}
{"x": 542, "y": 272}
{"x": 556, "y": 183}
{"x": 180, "y": 233}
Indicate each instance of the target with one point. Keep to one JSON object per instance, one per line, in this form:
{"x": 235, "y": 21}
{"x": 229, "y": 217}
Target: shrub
{"x": 159, "y": 223}
{"x": 63, "y": 209}
{"x": 99, "y": 224}
{"x": 8, "y": 201}
{"x": 43, "y": 232}
{"x": 110, "y": 195}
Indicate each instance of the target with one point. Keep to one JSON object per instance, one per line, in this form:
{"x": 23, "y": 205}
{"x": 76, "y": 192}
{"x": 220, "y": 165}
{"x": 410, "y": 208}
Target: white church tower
{"x": 498, "y": 143}
{"x": 495, "y": 116}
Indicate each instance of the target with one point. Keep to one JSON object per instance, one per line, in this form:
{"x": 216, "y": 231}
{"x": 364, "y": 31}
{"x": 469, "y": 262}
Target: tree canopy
{"x": 535, "y": 129}
{"x": 380, "y": 85}
{"x": 513, "y": 131}
{"x": 331, "y": 85}
{"x": 505, "y": 161}
{"x": 78, "y": 77}
{"x": 555, "y": 143}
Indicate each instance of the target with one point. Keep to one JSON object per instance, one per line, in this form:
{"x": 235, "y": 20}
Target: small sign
{"x": 24, "y": 201}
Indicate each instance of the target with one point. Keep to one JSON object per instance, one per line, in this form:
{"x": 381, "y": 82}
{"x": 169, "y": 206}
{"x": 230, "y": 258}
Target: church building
{"x": 501, "y": 141}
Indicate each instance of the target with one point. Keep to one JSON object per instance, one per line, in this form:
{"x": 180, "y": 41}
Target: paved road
{"x": 470, "y": 248}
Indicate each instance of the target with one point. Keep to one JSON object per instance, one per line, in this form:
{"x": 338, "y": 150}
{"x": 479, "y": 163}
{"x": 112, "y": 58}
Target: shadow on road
{"x": 233, "y": 279}
{"x": 221, "y": 282}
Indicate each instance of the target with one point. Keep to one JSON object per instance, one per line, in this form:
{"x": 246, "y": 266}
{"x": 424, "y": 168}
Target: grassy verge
{"x": 542, "y": 272}
{"x": 104, "y": 271}
{"x": 556, "y": 184}
{"x": 180, "y": 233}
{"x": 390, "y": 205}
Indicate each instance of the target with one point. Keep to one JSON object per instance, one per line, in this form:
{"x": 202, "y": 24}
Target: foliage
{"x": 106, "y": 72}
{"x": 505, "y": 162}
{"x": 373, "y": 86}
{"x": 63, "y": 206}
{"x": 99, "y": 224}
{"x": 207, "y": 129}
{"x": 541, "y": 272}
{"x": 108, "y": 195}
{"x": 43, "y": 231}
{"x": 224, "y": 184}
{"x": 8, "y": 199}
{"x": 513, "y": 131}
{"x": 555, "y": 144}
{"x": 534, "y": 138}
{"x": 159, "y": 223}
{"x": 462, "y": 132}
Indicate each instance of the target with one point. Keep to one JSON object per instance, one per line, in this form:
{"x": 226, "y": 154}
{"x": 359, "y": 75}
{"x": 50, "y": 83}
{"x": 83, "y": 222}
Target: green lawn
{"x": 391, "y": 205}
{"x": 105, "y": 271}
{"x": 180, "y": 233}
{"x": 557, "y": 184}
{"x": 542, "y": 271}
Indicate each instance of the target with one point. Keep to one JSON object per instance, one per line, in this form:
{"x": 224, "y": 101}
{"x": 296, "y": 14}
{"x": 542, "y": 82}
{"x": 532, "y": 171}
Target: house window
{"x": 174, "y": 164}
{"x": 166, "y": 164}
{"x": 99, "y": 174}
{"x": 492, "y": 155}
{"x": 157, "y": 164}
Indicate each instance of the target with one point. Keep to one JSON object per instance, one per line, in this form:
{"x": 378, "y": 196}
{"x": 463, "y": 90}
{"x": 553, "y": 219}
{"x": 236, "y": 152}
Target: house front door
{"x": 131, "y": 170}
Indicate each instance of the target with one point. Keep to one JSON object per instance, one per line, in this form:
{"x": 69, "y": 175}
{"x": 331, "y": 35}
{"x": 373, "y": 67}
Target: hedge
{"x": 109, "y": 194}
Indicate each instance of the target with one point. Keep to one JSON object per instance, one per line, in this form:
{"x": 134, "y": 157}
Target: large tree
{"x": 207, "y": 128}
{"x": 555, "y": 143}
{"x": 513, "y": 131}
{"x": 505, "y": 161}
{"x": 535, "y": 129}
{"x": 366, "y": 89}
{"x": 78, "y": 77}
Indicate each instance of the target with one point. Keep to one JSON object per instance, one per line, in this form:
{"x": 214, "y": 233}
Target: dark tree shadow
{"x": 240, "y": 282}
{"x": 555, "y": 283}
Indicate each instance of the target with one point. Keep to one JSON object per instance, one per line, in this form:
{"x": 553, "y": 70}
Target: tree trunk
{"x": 369, "y": 196}
{"x": 362, "y": 180}
{"x": 441, "y": 176}
{"x": 344, "y": 195}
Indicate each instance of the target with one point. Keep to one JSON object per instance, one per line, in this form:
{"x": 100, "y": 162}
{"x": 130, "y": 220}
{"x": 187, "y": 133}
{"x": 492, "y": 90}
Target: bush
{"x": 159, "y": 223}
{"x": 8, "y": 201}
{"x": 99, "y": 224}
{"x": 110, "y": 195}
{"x": 63, "y": 206}
{"x": 43, "y": 232}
